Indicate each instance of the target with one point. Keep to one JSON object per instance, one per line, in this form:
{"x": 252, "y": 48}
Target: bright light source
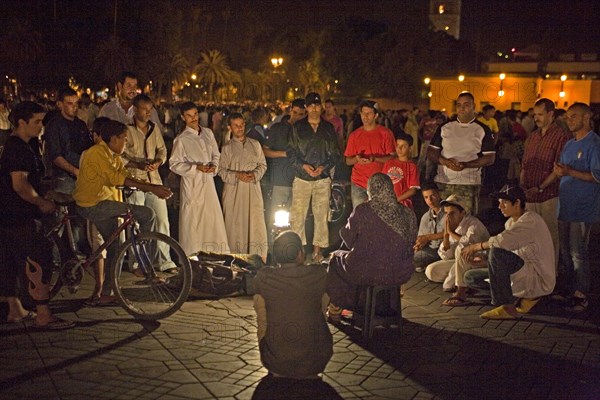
{"x": 562, "y": 94}
{"x": 461, "y": 78}
{"x": 429, "y": 94}
{"x": 513, "y": 49}
{"x": 547, "y": 76}
{"x": 502, "y": 76}
{"x": 500, "y": 93}
{"x": 336, "y": 81}
{"x": 506, "y": 56}
{"x": 446, "y": 28}
{"x": 563, "y": 78}
{"x": 282, "y": 218}
{"x": 194, "y": 77}
{"x": 500, "y": 54}
{"x": 427, "y": 80}
{"x": 441, "y": 9}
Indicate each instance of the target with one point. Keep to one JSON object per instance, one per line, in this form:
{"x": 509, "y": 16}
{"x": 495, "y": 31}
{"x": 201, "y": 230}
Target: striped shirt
{"x": 541, "y": 153}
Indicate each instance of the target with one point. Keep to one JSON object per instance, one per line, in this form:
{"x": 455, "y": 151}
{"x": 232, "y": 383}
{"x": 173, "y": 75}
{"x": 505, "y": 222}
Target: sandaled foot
{"x": 317, "y": 258}
{"x": 526, "y": 304}
{"x": 138, "y": 272}
{"x": 56, "y": 324}
{"x": 334, "y": 314}
{"x": 577, "y": 304}
{"x": 27, "y": 317}
{"x": 499, "y": 313}
{"x": 456, "y": 301}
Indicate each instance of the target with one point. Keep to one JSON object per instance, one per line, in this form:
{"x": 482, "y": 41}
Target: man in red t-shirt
{"x": 369, "y": 147}
{"x": 402, "y": 171}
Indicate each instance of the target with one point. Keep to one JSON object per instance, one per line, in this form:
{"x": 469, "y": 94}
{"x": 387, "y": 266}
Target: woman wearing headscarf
{"x": 379, "y": 239}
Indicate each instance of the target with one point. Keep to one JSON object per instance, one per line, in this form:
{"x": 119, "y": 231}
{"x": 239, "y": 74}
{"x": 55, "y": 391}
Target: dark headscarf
{"x": 382, "y": 200}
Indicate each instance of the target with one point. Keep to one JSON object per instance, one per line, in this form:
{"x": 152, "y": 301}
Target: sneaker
{"x": 419, "y": 269}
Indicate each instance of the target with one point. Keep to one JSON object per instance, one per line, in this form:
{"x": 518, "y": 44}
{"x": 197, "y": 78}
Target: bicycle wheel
{"x": 153, "y": 296}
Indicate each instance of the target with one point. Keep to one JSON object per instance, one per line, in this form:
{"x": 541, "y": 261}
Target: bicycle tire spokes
{"x": 157, "y": 294}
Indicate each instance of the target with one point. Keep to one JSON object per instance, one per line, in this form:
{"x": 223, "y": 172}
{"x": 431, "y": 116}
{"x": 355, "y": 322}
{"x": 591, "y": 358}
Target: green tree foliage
{"x": 213, "y": 69}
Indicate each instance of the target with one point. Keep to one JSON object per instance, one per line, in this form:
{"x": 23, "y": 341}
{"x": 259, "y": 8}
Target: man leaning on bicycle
{"x": 101, "y": 171}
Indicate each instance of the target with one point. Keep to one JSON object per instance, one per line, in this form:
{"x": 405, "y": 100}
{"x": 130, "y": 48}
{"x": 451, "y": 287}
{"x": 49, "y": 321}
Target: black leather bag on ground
{"x": 220, "y": 275}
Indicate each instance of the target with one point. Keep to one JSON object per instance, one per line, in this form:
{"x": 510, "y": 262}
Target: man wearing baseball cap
{"x": 313, "y": 152}
{"x": 520, "y": 259}
{"x": 460, "y": 229}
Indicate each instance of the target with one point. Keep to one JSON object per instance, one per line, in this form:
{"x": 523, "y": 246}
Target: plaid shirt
{"x": 541, "y": 153}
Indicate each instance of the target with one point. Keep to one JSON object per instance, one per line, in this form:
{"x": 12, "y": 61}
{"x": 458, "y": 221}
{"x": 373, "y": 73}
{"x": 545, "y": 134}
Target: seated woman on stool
{"x": 380, "y": 234}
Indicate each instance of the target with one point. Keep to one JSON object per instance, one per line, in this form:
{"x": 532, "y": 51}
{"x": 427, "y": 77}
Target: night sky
{"x": 572, "y": 25}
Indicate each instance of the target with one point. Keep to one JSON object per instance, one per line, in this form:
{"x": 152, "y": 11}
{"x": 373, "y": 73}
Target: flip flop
{"x": 497, "y": 313}
{"x": 30, "y": 315}
{"x": 527, "y": 304}
{"x": 56, "y": 325}
{"x": 456, "y": 302}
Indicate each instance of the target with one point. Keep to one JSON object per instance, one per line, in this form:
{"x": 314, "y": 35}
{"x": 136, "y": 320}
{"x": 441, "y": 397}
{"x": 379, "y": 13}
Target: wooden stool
{"x": 369, "y": 317}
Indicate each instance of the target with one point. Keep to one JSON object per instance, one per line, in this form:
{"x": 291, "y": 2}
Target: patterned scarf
{"x": 382, "y": 200}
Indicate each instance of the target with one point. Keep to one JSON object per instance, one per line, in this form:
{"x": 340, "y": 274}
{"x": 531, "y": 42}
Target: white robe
{"x": 201, "y": 225}
{"x": 242, "y": 202}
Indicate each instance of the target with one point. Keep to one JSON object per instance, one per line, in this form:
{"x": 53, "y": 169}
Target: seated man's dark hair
{"x": 107, "y": 128}
{"x": 429, "y": 186}
{"x": 24, "y": 111}
{"x": 286, "y": 247}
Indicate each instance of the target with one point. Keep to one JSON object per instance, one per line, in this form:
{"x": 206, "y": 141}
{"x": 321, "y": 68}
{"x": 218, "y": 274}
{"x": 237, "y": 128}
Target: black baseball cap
{"x": 511, "y": 193}
{"x": 312, "y": 98}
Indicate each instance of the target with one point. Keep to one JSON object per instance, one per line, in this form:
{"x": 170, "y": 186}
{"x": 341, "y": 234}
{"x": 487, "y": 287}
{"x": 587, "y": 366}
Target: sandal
{"x": 498, "y": 313}
{"x": 526, "y": 304}
{"x": 578, "y": 304}
{"x": 317, "y": 258}
{"x": 30, "y": 315}
{"x": 56, "y": 325}
{"x": 455, "y": 301}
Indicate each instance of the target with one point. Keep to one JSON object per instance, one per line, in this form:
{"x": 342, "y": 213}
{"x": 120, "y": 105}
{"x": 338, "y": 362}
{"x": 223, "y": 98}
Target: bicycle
{"x": 148, "y": 297}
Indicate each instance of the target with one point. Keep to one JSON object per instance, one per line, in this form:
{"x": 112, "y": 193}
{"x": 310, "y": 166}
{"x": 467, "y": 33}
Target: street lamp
{"x": 501, "y": 91}
{"x": 276, "y": 61}
{"x": 461, "y": 78}
{"x": 194, "y": 77}
{"x": 427, "y": 80}
{"x": 563, "y": 78}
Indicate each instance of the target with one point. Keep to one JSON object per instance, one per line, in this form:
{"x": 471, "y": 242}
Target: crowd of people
{"x": 231, "y": 166}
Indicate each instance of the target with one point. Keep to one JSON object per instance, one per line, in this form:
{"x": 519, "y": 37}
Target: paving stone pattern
{"x": 209, "y": 350}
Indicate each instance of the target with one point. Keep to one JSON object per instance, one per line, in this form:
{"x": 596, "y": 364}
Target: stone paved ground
{"x": 209, "y": 350}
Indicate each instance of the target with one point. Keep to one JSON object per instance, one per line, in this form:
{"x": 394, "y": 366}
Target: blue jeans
{"x": 162, "y": 223}
{"x": 358, "y": 194}
{"x": 425, "y": 256}
{"x": 574, "y": 238}
{"x": 104, "y": 215}
{"x": 502, "y": 264}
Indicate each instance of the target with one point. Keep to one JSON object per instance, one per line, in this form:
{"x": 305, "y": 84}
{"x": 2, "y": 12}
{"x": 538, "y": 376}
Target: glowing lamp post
{"x": 276, "y": 62}
{"x": 563, "y": 78}
{"x": 501, "y": 91}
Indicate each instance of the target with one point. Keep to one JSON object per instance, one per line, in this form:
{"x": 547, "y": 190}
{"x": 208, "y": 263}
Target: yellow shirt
{"x": 491, "y": 123}
{"x": 100, "y": 171}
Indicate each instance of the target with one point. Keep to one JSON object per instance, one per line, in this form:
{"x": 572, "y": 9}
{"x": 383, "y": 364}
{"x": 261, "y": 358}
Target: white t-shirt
{"x": 462, "y": 142}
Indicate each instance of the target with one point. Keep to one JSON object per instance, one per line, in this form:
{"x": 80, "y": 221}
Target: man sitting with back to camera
{"x": 290, "y": 304}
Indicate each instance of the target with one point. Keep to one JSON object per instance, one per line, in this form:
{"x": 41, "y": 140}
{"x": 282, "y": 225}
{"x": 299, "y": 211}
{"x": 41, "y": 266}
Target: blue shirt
{"x": 579, "y": 201}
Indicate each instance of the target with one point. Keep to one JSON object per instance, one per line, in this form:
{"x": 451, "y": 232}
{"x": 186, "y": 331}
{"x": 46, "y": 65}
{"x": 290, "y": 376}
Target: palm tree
{"x": 21, "y": 46}
{"x": 167, "y": 69}
{"x": 111, "y": 57}
{"x": 213, "y": 69}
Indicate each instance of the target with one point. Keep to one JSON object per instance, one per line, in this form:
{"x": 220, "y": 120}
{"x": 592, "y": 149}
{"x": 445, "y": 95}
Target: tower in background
{"x": 445, "y": 16}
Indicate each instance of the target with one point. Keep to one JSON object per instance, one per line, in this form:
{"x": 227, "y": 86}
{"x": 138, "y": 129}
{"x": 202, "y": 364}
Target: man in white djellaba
{"x": 195, "y": 158}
